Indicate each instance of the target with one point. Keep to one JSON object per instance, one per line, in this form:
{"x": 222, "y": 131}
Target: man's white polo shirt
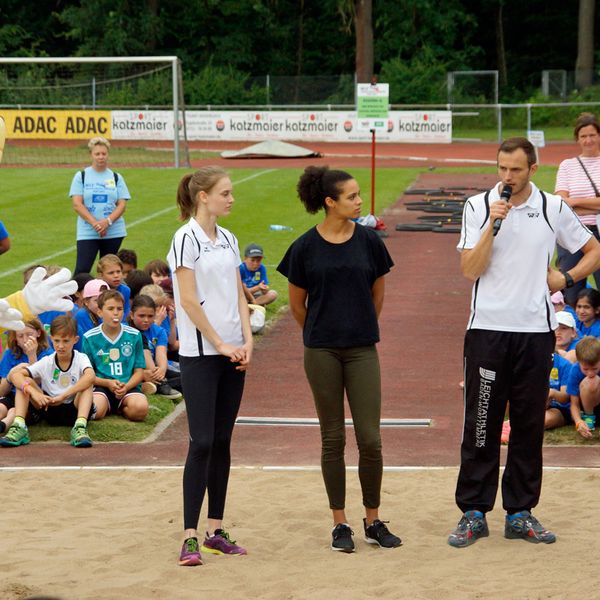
{"x": 216, "y": 270}
{"x": 512, "y": 293}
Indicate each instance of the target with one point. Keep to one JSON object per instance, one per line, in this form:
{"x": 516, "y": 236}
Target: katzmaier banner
{"x": 316, "y": 126}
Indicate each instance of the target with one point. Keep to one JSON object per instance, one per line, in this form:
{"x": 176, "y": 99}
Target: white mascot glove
{"x": 10, "y": 318}
{"x": 49, "y": 294}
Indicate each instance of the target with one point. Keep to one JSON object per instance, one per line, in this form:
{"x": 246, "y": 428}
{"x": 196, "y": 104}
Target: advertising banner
{"x": 56, "y": 124}
{"x": 322, "y": 126}
{"x": 251, "y": 126}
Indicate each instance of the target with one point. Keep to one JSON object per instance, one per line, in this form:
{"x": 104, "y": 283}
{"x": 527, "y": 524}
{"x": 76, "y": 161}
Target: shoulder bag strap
{"x": 589, "y": 177}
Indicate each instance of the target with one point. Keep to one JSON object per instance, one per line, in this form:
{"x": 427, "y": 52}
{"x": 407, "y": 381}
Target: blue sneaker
{"x": 470, "y": 528}
{"x": 523, "y": 525}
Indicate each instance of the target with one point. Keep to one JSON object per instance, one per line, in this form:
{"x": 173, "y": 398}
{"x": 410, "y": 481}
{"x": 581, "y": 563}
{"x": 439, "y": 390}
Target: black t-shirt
{"x": 338, "y": 279}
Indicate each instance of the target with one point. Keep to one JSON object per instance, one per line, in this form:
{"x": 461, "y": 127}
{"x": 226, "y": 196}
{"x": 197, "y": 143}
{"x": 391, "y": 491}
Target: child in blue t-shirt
{"x": 88, "y": 316}
{"x": 558, "y": 409}
{"x": 110, "y": 269}
{"x": 584, "y": 386}
{"x": 25, "y": 346}
{"x": 566, "y": 336}
{"x": 156, "y": 373}
{"x": 254, "y": 277}
{"x": 588, "y": 310}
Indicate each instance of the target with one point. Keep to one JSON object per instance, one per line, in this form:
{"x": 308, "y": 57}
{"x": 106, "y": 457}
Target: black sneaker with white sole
{"x": 342, "y": 538}
{"x": 164, "y": 389}
{"x": 378, "y": 533}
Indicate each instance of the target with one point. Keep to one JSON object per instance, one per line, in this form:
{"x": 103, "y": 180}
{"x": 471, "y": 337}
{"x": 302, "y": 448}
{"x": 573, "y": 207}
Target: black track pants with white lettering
{"x": 503, "y": 367}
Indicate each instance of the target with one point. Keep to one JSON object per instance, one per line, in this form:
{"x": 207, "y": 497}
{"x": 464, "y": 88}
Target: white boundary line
{"x": 265, "y": 468}
{"x": 158, "y": 213}
{"x": 314, "y": 422}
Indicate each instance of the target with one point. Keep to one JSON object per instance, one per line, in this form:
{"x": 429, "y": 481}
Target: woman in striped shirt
{"x": 578, "y": 182}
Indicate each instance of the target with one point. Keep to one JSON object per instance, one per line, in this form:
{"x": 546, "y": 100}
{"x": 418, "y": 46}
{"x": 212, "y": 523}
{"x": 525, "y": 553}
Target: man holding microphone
{"x": 507, "y": 244}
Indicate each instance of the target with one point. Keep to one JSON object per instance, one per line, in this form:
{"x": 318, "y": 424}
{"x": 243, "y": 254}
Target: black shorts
{"x": 61, "y": 414}
{"x": 8, "y": 401}
{"x": 114, "y": 403}
{"x": 565, "y": 412}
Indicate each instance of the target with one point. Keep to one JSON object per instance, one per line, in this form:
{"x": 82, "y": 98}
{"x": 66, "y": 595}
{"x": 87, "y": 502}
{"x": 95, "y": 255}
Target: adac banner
{"x": 326, "y": 126}
{"x": 56, "y": 124}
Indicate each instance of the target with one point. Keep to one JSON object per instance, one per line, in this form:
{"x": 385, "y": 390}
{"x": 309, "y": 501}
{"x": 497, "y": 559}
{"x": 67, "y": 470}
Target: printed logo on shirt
{"x": 554, "y": 375}
{"x": 533, "y": 215}
{"x": 114, "y": 354}
{"x": 104, "y": 356}
{"x": 64, "y": 380}
{"x": 127, "y": 349}
{"x": 109, "y": 183}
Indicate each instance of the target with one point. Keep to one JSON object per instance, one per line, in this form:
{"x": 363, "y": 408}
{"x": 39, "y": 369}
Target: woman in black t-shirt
{"x": 336, "y": 287}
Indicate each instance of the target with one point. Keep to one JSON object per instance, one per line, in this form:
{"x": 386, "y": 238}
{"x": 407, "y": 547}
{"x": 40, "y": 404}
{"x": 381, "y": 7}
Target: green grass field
{"x": 37, "y": 212}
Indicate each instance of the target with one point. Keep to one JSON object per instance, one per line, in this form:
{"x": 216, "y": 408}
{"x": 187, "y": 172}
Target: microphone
{"x": 505, "y": 195}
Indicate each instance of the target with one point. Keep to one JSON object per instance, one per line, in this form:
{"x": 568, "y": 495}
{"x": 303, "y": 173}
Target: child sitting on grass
{"x": 110, "y": 269}
{"x": 254, "y": 277}
{"x": 588, "y": 311}
{"x": 566, "y": 336}
{"x": 142, "y": 315}
{"x": 558, "y": 407}
{"x": 117, "y": 355}
{"x": 128, "y": 260}
{"x": 58, "y": 387}
{"x": 88, "y": 316}
{"x": 159, "y": 270}
{"x": 584, "y": 386}
{"x": 26, "y": 346}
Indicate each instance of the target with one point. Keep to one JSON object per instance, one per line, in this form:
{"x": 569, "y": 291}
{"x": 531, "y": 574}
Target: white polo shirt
{"x": 52, "y": 379}
{"x": 215, "y": 267}
{"x": 512, "y": 293}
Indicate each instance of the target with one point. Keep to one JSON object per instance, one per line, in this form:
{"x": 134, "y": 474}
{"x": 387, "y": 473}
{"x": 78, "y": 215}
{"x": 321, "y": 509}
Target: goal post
{"x": 176, "y": 100}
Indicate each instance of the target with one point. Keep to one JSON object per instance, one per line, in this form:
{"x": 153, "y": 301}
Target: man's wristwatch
{"x": 569, "y": 281}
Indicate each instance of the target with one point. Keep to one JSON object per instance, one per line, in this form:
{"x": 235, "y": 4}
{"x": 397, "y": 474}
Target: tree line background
{"x": 224, "y": 44}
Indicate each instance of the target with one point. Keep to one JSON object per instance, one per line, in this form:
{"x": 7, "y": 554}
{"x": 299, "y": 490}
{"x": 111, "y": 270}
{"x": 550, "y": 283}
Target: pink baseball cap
{"x": 557, "y": 298}
{"x": 94, "y": 288}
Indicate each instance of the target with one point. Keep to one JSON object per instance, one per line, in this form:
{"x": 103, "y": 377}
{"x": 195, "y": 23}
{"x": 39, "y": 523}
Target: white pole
{"x": 175, "y": 112}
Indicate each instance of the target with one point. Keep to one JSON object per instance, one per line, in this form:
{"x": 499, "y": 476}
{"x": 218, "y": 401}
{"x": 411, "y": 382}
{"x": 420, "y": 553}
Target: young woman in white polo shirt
{"x": 215, "y": 349}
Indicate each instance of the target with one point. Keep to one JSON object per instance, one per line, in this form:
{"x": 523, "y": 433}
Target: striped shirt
{"x": 571, "y": 178}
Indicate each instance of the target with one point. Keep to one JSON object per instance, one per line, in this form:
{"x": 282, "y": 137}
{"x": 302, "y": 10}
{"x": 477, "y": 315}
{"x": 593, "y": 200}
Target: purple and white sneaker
{"x": 220, "y": 543}
{"x": 190, "y": 553}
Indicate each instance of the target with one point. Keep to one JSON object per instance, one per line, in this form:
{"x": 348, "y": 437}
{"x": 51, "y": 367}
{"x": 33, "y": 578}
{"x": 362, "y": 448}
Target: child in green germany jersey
{"x": 117, "y": 355}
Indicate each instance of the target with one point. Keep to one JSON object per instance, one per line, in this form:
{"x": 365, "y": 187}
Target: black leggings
{"x": 87, "y": 250}
{"x": 212, "y": 389}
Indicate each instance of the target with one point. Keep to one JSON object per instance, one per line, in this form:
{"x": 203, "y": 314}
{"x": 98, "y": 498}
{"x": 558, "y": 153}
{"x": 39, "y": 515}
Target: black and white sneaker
{"x": 342, "y": 538}
{"x": 378, "y": 533}
{"x": 164, "y": 389}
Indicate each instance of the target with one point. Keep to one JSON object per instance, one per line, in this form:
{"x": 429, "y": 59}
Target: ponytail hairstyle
{"x": 203, "y": 180}
{"x": 318, "y": 183}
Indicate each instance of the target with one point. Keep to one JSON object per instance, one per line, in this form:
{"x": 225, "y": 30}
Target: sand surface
{"x": 115, "y": 534}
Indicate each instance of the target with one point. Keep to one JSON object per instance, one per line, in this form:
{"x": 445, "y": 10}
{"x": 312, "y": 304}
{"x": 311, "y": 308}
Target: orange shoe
{"x": 505, "y": 432}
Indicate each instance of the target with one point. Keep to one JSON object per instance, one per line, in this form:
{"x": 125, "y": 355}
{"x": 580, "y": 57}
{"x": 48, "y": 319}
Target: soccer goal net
{"x": 53, "y": 106}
